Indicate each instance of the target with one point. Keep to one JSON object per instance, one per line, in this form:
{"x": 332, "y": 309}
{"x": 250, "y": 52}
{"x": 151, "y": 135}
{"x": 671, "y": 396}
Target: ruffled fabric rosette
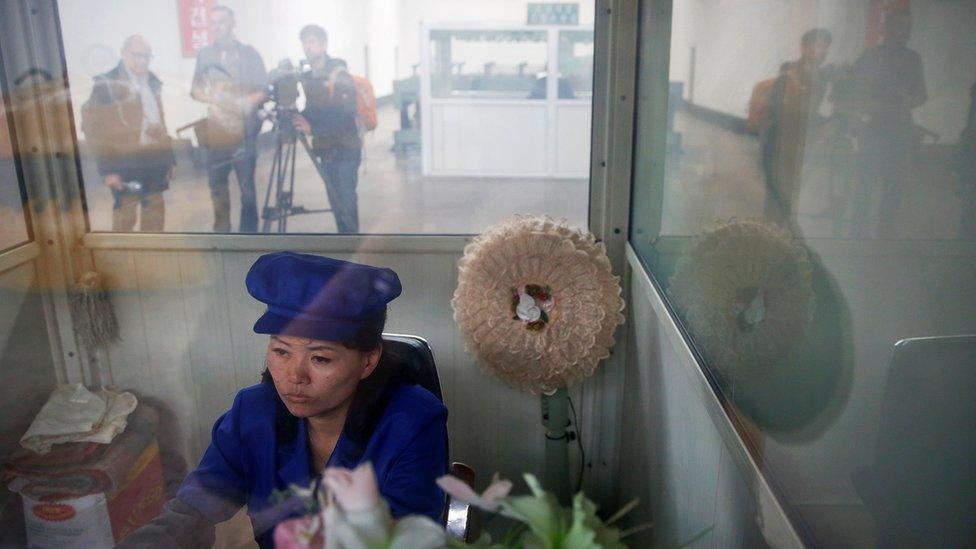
{"x": 744, "y": 290}
{"x": 537, "y": 302}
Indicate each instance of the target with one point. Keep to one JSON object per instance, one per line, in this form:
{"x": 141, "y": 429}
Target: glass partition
{"x": 810, "y": 219}
{"x": 220, "y": 150}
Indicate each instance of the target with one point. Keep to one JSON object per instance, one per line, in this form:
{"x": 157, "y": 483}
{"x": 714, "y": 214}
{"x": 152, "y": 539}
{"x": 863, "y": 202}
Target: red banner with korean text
{"x": 195, "y": 25}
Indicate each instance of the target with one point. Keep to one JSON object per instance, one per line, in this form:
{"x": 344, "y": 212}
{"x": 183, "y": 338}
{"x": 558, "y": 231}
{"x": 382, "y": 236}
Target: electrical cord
{"x": 579, "y": 442}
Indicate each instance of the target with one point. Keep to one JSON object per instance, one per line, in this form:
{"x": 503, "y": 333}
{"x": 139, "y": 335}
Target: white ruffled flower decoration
{"x": 744, "y": 290}
{"x": 537, "y": 302}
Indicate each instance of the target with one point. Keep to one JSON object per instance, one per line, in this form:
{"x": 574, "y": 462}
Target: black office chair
{"x": 410, "y": 359}
{"x": 921, "y": 488}
{"x": 411, "y": 355}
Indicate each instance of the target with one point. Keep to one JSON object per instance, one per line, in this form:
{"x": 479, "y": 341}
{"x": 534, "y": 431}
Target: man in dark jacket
{"x": 330, "y": 117}
{"x": 230, "y": 78}
{"x": 892, "y": 83}
{"x": 123, "y": 120}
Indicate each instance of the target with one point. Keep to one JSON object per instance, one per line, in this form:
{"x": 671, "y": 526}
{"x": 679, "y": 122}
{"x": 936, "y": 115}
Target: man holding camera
{"x": 330, "y": 118}
{"x": 230, "y": 78}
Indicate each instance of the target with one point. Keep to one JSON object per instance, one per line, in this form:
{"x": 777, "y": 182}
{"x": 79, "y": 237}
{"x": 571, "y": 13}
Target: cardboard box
{"x": 99, "y": 520}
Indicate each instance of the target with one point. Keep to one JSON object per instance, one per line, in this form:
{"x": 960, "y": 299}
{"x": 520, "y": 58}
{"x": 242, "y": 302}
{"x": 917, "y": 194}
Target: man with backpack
{"x": 332, "y": 117}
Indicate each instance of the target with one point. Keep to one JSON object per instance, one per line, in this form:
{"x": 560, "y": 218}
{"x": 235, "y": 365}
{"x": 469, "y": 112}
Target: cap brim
{"x": 330, "y": 330}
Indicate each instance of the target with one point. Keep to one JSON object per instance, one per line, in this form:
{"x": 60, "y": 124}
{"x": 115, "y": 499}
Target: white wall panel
{"x": 674, "y": 457}
{"x": 488, "y": 139}
{"x": 573, "y": 139}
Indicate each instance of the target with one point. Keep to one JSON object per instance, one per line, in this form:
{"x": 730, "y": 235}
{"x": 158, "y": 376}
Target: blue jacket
{"x": 247, "y": 460}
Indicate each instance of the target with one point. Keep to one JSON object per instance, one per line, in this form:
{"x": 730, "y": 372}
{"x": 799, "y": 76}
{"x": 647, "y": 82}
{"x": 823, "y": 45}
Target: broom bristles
{"x": 91, "y": 310}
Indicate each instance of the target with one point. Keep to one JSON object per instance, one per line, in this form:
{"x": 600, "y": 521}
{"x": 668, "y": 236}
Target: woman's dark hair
{"x": 369, "y": 401}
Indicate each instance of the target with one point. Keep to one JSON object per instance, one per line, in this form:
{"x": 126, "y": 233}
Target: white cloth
{"x": 75, "y": 414}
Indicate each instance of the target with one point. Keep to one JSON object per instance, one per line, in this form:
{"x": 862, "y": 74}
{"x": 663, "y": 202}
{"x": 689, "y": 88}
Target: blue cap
{"x": 318, "y": 297}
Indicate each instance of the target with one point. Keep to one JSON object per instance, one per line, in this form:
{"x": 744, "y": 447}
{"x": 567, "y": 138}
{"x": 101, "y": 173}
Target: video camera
{"x": 284, "y": 80}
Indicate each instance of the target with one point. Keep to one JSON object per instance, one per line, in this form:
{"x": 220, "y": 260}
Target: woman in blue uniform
{"x": 317, "y": 406}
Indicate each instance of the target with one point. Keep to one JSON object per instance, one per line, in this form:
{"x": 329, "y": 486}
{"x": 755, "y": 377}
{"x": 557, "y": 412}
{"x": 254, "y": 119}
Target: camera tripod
{"x": 280, "y": 206}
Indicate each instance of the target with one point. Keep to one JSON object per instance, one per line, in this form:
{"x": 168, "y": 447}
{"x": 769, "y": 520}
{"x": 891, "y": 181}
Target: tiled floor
{"x": 393, "y": 196}
{"x": 715, "y": 178}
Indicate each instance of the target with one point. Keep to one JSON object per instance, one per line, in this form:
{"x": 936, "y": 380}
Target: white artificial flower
{"x": 355, "y": 490}
{"x": 527, "y": 310}
{"x": 417, "y": 532}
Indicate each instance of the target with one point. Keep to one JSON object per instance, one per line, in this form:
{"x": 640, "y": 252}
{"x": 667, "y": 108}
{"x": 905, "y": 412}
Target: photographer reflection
{"x": 123, "y": 119}
{"x": 891, "y": 82}
{"x": 330, "y": 118}
{"x": 964, "y": 166}
{"x": 788, "y": 125}
{"x": 230, "y": 78}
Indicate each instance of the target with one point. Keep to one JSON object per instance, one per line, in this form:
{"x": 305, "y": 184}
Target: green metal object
{"x": 555, "y": 417}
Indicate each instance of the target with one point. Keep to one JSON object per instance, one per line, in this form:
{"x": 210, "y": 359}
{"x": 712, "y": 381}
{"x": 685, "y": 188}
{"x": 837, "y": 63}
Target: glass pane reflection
{"x": 211, "y": 161}
{"x": 815, "y": 232}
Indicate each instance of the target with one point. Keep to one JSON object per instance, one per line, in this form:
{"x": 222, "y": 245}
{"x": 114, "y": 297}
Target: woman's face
{"x": 316, "y": 377}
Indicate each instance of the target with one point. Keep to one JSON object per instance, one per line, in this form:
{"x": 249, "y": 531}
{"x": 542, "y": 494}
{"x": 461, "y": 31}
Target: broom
{"x": 91, "y": 311}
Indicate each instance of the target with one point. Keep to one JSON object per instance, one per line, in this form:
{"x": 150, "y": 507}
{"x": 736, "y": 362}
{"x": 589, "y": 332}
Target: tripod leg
{"x": 291, "y": 180}
{"x": 266, "y": 210}
{"x": 283, "y": 176}
{"x": 318, "y": 168}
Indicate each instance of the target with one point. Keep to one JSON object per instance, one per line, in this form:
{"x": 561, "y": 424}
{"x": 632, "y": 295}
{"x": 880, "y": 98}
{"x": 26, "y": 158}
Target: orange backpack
{"x": 365, "y": 103}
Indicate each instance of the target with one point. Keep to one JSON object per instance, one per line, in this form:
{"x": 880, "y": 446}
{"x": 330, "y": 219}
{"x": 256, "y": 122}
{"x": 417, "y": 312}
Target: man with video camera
{"x": 330, "y": 118}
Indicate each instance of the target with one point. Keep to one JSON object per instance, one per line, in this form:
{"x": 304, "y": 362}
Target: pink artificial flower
{"x": 355, "y": 490}
{"x": 299, "y": 533}
{"x": 489, "y": 500}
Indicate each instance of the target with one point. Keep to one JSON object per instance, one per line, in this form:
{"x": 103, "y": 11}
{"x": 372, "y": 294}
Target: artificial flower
{"x": 527, "y": 310}
{"x": 299, "y": 533}
{"x": 489, "y": 500}
{"x": 355, "y": 490}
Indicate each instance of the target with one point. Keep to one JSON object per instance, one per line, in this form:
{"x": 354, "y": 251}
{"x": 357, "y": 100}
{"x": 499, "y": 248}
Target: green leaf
{"x": 541, "y": 512}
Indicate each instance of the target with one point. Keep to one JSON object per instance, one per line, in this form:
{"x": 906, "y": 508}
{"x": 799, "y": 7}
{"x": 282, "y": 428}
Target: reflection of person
{"x": 124, "y": 121}
{"x": 891, "y": 81}
{"x": 330, "y": 117}
{"x": 964, "y": 165}
{"x": 789, "y": 122}
{"x": 316, "y": 407}
{"x": 230, "y": 78}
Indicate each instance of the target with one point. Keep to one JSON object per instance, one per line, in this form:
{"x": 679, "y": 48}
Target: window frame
{"x": 29, "y": 243}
